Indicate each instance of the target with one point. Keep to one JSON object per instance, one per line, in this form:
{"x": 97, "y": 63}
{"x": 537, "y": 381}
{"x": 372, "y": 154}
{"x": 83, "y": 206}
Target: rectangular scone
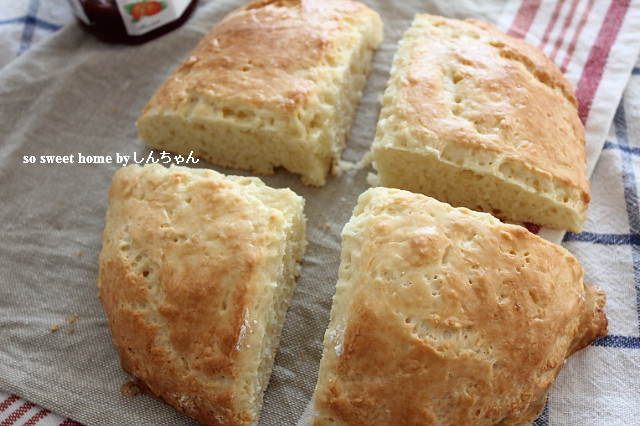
{"x": 197, "y": 270}
{"x": 274, "y": 84}
{"x": 476, "y": 118}
{"x": 446, "y": 316}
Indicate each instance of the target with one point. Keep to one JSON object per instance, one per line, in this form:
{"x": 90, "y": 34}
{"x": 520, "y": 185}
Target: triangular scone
{"x": 275, "y": 83}
{"x": 197, "y": 270}
{"x": 445, "y": 316}
{"x": 476, "y": 118}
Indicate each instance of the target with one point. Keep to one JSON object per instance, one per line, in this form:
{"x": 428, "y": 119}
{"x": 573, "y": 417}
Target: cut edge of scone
{"x": 305, "y": 134}
{"x": 355, "y": 326}
{"x": 292, "y": 206}
{"x": 475, "y": 177}
{"x": 130, "y": 292}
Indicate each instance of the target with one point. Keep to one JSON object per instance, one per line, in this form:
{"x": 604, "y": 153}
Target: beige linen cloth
{"x": 73, "y": 95}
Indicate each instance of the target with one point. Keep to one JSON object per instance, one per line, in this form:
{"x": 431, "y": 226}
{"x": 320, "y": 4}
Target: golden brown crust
{"x": 186, "y": 258}
{"x": 262, "y": 55}
{"x": 274, "y": 84}
{"x": 595, "y": 324}
{"x": 518, "y": 102}
{"x": 489, "y": 103}
{"x": 447, "y": 316}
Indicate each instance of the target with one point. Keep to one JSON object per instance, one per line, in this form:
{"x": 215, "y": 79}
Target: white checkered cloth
{"x": 596, "y": 43}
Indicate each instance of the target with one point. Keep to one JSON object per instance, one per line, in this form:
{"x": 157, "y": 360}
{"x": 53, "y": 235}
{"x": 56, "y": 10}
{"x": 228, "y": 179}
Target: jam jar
{"x": 131, "y": 21}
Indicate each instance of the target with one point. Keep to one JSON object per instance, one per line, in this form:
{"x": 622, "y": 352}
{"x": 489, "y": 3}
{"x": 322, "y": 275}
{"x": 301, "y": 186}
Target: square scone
{"x": 197, "y": 270}
{"x": 479, "y": 119}
{"x": 274, "y": 84}
{"x": 446, "y": 316}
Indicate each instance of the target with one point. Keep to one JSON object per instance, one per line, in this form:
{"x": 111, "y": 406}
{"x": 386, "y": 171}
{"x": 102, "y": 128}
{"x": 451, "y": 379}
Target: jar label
{"x": 140, "y": 17}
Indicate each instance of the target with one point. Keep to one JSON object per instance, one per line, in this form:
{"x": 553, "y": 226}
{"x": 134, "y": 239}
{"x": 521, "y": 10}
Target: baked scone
{"x": 446, "y": 316}
{"x": 275, "y": 83}
{"x": 476, "y": 118}
{"x": 197, "y": 270}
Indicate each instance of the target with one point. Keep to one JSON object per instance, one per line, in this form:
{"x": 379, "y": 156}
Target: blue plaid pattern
{"x": 622, "y": 152}
{"x": 28, "y": 21}
{"x": 627, "y": 151}
{"x": 31, "y": 22}
{"x": 543, "y": 420}
{"x": 627, "y": 148}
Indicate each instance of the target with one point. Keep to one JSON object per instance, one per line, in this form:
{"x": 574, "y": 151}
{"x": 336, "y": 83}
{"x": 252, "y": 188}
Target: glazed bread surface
{"x": 275, "y": 83}
{"x": 446, "y": 316}
{"x": 197, "y": 270}
{"x": 479, "y": 119}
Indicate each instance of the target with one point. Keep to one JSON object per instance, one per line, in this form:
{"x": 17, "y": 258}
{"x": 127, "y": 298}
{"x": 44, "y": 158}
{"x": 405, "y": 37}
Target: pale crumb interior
{"x": 333, "y": 345}
{"x": 429, "y": 174}
{"x": 273, "y": 307}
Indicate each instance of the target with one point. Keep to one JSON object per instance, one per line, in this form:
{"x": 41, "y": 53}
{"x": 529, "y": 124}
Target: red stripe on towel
{"x": 7, "y": 402}
{"x": 37, "y": 417}
{"x": 594, "y": 67}
{"x": 70, "y": 422}
{"x": 551, "y": 24}
{"x": 576, "y": 36}
{"x": 524, "y": 18}
{"x": 565, "y": 26}
{"x": 13, "y": 417}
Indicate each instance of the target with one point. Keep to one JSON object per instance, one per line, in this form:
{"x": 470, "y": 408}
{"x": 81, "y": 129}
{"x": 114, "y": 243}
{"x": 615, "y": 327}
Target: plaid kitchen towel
{"x": 25, "y": 23}
{"x": 56, "y": 97}
{"x": 592, "y": 43}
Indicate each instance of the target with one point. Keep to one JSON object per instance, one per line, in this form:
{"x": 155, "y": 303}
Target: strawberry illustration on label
{"x": 137, "y": 11}
{"x": 144, "y": 8}
{"x": 153, "y": 7}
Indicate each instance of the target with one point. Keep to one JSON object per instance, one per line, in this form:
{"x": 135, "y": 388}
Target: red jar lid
{"x": 131, "y": 21}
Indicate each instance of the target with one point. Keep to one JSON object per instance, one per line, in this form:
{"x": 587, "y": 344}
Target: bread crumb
{"x": 344, "y": 166}
{"x": 54, "y": 328}
{"x": 130, "y": 389}
{"x": 80, "y": 255}
{"x": 72, "y": 319}
{"x": 365, "y": 161}
{"x": 373, "y": 179}
{"x": 71, "y": 330}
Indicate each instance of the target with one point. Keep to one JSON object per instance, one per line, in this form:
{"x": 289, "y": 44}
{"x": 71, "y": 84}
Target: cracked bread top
{"x": 189, "y": 257}
{"x": 447, "y": 316}
{"x": 268, "y": 54}
{"x": 487, "y": 102}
